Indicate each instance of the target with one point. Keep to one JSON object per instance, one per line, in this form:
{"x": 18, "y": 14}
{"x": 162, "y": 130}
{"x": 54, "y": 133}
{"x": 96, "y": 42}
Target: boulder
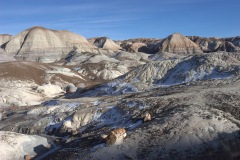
{"x": 27, "y": 157}
{"x": 71, "y": 88}
{"x": 79, "y": 118}
{"x": 147, "y": 117}
{"x": 116, "y": 136}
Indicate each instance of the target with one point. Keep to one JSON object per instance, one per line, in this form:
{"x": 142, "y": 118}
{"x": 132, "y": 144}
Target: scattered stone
{"x": 27, "y": 157}
{"x": 58, "y": 141}
{"x": 71, "y": 88}
{"x": 147, "y": 117}
{"x": 116, "y": 136}
{"x": 104, "y": 136}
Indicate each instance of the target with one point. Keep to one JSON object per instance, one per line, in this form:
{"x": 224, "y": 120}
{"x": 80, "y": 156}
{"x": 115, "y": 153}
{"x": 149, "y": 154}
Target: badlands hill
{"x": 66, "y": 97}
{"x": 177, "y": 43}
{"x": 181, "y": 44}
{"x": 146, "y": 45}
{"x": 217, "y": 44}
{"x": 105, "y": 43}
{"x": 46, "y": 45}
{"x": 168, "y": 72}
{"x": 77, "y": 62}
{"x": 41, "y": 44}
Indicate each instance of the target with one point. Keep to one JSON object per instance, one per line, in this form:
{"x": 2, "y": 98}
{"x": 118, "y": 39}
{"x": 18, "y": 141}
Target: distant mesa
{"x": 104, "y": 43}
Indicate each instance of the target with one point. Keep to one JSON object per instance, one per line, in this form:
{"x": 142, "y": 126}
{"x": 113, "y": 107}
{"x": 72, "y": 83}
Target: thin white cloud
{"x": 45, "y": 10}
{"x": 97, "y": 21}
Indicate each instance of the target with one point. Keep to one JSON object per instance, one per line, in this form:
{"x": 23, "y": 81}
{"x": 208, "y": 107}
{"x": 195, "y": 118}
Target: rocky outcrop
{"x": 104, "y": 43}
{"x": 214, "y": 44}
{"x": 146, "y": 45}
{"x": 79, "y": 119}
{"x": 41, "y": 44}
{"x": 138, "y": 47}
{"x": 177, "y": 43}
{"x": 4, "y": 38}
{"x": 234, "y": 40}
{"x": 207, "y": 44}
{"x": 172, "y": 72}
{"x": 228, "y": 47}
{"x": 103, "y": 66}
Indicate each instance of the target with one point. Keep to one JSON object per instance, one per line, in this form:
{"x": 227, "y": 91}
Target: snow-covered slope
{"x": 173, "y": 72}
{"x": 17, "y": 146}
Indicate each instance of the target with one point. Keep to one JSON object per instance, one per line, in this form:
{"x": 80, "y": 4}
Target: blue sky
{"x": 123, "y": 19}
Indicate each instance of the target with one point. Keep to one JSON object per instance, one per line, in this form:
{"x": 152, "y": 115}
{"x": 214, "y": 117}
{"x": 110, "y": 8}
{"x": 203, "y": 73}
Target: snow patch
{"x": 96, "y": 103}
{"x": 97, "y": 114}
{"x": 49, "y": 90}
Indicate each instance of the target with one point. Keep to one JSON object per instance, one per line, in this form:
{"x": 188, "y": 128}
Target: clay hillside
{"x": 65, "y": 97}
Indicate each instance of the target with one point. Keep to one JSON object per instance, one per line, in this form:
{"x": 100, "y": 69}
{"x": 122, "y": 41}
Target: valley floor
{"x": 199, "y": 120}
